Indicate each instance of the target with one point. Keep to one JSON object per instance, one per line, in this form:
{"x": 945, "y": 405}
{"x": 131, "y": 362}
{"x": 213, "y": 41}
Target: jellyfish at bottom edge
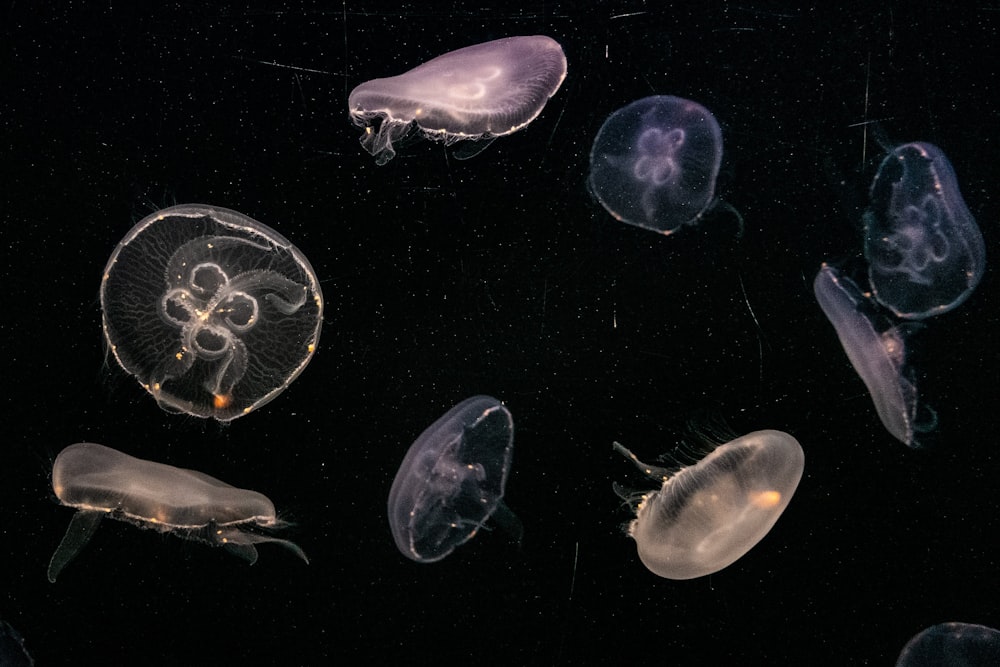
{"x": 952, "y": 644}
{"x": 474, "y": 94}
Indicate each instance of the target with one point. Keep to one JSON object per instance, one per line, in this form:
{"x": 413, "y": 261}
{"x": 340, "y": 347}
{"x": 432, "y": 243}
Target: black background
{"x": 498, "y": 275}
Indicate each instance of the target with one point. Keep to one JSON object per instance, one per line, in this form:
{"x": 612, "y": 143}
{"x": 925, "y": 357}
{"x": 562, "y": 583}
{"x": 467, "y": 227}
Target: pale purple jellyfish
{"x": 479, "y": 92}
{"x": 878, "y": 354}
{"x": 654, "y": 163}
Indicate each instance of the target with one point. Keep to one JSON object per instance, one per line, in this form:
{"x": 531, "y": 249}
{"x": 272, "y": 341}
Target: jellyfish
{"x": 924, "y": 249}
{"x": 479, "y": 92}
{"x": 654, "y": 163}
{"x": 879, "y": 357}
{"x": 706, "y": 516}
{"x": 954, "y": 645}
{"x": 213, "y": 313}
{"x": 13, "y": 652}
{"x": 99, "y": 481}
{"x": 452, "y": 480}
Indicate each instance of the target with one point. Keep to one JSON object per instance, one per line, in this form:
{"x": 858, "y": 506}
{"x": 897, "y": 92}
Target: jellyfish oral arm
{"x": 653, "y": 472}
{"x": 508, "y": 522}
{"x": 240, "y": 542}
{"x": 80, "y": 530}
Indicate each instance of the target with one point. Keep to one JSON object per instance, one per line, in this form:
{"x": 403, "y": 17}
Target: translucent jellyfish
{"x": 13, "y": 652}
{"x": 879, "y": 357}
{"x": 99, "y": 481}
{"x": 706, "y": 516}
{"x": 479, "y": 92}
{"x": 925, "y": 251}
{"x": 214, "y": 313}
{"x": 655, "y": 161}
{"x": 452, "y": 480}
{"x": 953, "y": 645}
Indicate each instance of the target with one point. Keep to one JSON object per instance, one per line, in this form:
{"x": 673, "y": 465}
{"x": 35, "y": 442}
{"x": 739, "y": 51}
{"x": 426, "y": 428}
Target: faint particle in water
{"x": 476, "y": 93}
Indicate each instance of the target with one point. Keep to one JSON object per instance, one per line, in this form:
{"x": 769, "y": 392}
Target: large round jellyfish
{"x": 706, "y": 516}
{"x": 479, "y": 92}
{"x": 214, "y": 313}
{"x": 452, "y": 480}
{"x": 654, "y": 163}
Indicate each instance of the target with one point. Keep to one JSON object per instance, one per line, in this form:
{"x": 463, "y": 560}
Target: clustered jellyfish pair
{"x": 452, "y": 480}
{"x": 653, "y": 164}
{"x": 704, "y": 518}
{"x": 214, "y": 314}
{"x": 925, "y": 257}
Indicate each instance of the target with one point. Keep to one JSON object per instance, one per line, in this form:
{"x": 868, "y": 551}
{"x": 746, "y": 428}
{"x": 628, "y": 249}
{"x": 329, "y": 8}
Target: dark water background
{"x": 498, "y": 275}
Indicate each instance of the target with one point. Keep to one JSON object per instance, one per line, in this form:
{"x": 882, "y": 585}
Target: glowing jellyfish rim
{"x": 246, "y": 230}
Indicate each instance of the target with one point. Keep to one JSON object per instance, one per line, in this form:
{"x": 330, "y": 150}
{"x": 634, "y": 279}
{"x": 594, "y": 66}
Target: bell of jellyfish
{"x": 476, "y": 93}
{"x": 706, "y": 516}
{"x": 959, "y": 644}
{"x": 654, "y": 163}
{"x": 100, "y": 482}
{"x": 452, "y": 480}
{"x": 877, "y": 354}
{"x": 213, "y": 312}
{"x": 924, "y": 249}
